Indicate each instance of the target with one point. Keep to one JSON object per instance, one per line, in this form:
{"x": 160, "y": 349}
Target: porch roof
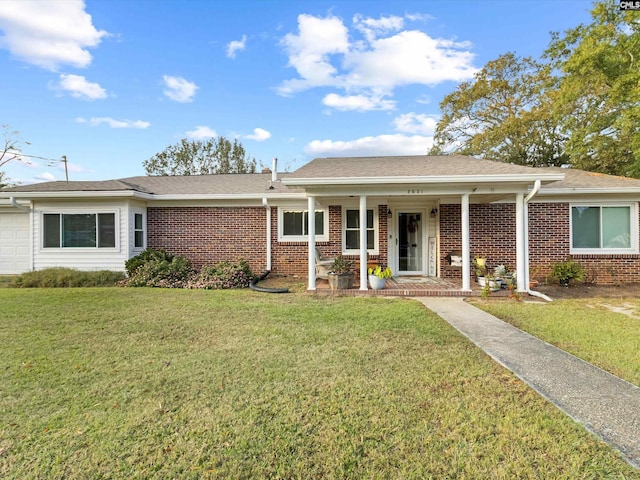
{"x": 413, "y": 170}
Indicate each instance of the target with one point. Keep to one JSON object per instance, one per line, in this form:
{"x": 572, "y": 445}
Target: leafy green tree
{"x": 504, "y": 114}
{"x": 198, "y": 157}
{"x": 598, "y": 96}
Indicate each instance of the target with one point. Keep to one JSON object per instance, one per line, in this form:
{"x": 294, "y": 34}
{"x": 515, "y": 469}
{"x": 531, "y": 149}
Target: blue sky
{"x": 110, "y": 83}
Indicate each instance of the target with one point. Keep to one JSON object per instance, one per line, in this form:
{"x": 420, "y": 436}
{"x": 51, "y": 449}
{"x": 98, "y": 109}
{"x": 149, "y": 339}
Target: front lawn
{"x": 590, "y": 328}
{"x": 150, "y": 383}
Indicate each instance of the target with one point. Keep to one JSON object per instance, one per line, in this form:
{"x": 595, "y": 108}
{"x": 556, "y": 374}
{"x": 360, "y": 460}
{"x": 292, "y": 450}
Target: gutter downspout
{"x": 15, "y": 203}
{"x": 533, "y": 193}
{"x": 268, "y": 207}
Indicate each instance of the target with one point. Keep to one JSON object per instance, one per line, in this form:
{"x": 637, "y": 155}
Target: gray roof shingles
{"x": 336, "y": 167}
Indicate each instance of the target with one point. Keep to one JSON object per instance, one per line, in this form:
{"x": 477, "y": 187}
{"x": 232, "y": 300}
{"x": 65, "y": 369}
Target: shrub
{"x": 148, "y": 255}
{"x": 162, "y": 270}
{"x": 67, "y": 277}
{"x": 567, "y": 271}
{"x": 223, "y": 275}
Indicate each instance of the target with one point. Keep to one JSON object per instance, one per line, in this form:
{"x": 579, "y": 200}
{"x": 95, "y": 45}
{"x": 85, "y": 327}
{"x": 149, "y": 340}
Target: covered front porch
{"x": 408, "y": 213}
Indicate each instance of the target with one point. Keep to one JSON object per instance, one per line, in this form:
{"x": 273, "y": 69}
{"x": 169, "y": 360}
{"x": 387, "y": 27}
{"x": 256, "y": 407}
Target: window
{"x": 352, "y": 231}
{"x": 293, "y": 225}
{"x": 79, "y": 230}
{"x": 138, "y": 231}
{"x": 603, "y": 228}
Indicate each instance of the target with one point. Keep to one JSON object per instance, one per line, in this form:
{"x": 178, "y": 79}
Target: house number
{"x": 412, "y": 191}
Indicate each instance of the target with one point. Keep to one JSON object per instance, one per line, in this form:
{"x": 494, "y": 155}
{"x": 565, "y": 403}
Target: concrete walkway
{"x": 603, "y": 403}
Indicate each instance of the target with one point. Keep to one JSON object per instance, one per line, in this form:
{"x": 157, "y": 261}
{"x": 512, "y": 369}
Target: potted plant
{"x": 502, "y": 274}
{"x": 480, "y": 268}
{"x": 378, "y": 276}
{"x": 340, "y": 275}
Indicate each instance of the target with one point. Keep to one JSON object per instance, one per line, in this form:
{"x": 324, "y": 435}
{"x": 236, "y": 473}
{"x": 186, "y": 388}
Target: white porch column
{"x": 466, "y": 243}
{"x": 311, "y": 229}
{"x": 363, "y": 242}
{"x": 521, "y": 273}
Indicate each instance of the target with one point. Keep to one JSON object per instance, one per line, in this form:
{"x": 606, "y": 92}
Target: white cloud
{"x": 416, "y": 123}
{"x": 259, "y": 135}
{"x": 326, "y": 54}
{"x": 48, "y": 33}
{"x": 309, "y": 51}
{"x": 45, "y": 177}
{"x": 97, "y": 121}
{"x": 201, "y": 132}
{"x": 361, "y": 103}
{"x": 371, "y": 28}
{"x": 179, "y": 89}
{"x": 424, "y": 99}
{"x": 397, "y": 144}
{"x": 79, "y": 87}
{"x": 236, "y": 46}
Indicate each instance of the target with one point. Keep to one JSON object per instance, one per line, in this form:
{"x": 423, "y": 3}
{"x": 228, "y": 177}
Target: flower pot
{"x": 494, "y": 285}
{"x": 340, "y": 281}
{"x": 376, "y": 283}
{"x": 533, "y": 284}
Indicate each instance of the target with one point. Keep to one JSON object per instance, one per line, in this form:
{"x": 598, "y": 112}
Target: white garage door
{"x": 14, "y": 243}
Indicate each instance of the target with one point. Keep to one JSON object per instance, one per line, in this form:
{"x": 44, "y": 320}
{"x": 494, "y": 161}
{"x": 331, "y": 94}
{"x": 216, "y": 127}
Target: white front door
{"x": 410, "y": 237}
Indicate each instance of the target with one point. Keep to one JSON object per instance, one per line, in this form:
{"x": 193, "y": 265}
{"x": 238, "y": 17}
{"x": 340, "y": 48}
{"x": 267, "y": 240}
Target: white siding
{"x": 15, "y": 250}
{"x": 83, "y": 258}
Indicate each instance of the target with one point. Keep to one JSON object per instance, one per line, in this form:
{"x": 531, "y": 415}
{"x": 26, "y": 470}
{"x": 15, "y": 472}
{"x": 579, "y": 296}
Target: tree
{"x": 10, "y": 152}
{"x": 197, "y": 157}
{"x": 598, "y": 96}
{"x": 504, "y": 114}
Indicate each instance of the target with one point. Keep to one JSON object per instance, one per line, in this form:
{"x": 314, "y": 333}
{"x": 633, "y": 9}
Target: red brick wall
{"x": 207, "y": 235}
{"x": 549, "y": 229}
{"x": 492, "y": 229}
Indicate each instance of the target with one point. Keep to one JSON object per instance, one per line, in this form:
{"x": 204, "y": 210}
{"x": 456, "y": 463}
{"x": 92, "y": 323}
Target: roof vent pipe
{"x": 274, "y": 169}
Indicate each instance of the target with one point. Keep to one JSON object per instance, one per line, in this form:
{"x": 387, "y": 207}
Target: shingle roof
{"x": 580, "y": 180}
{"x": 226, "y": 184}
{"x": 406, "y": 166}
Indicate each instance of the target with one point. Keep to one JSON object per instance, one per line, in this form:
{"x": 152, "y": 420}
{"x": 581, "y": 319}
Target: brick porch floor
{"x": 409, "y": 287}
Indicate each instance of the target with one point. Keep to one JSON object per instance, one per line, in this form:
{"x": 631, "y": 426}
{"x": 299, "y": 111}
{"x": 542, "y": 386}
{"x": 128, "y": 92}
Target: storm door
{"x": 410, "y": 243}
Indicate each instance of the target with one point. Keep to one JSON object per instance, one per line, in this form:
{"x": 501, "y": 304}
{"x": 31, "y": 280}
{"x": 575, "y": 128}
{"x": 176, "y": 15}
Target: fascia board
{"x": 460, "y": 179}
{"x": 152, "y": 197}
{"x": 588, "y": 191}
{"x": 77, "y": 194}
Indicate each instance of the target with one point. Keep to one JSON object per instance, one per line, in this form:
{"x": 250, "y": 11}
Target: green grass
{"x": 150, "y": 383}
{"x": 586, "y": 328}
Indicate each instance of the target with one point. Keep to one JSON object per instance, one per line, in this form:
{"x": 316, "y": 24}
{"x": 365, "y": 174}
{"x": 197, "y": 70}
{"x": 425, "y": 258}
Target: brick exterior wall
{"x": 492, "y": 229}
{"x": 206, "y": 235}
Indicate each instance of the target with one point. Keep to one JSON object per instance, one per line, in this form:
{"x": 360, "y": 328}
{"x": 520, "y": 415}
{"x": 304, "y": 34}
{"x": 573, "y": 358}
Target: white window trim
{"x": 143, "y": 230}
{"x": 282, "y": 238}
{"x": 376, "y": 243}
{"x": 633, "y": 213}
{"x": 116, "y": 220}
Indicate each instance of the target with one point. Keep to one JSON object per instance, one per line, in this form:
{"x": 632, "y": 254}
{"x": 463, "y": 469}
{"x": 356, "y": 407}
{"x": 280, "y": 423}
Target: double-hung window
{"x": 604, "y": 228}
{"x": 79, "y": 230}
{"x": 293, "y": 225}
{"x": 138, "y": 230}
{"x": 351, "y": 230}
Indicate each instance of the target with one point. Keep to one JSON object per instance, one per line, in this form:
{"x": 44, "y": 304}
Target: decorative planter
{"x": 494, "y": 285}
{"x": 376, "y": 283}
{"x": 340, "y": 281}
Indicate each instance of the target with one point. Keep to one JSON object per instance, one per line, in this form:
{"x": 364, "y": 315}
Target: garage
{"x": 14, "y": 243}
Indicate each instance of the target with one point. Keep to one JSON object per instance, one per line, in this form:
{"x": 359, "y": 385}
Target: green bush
{"x": 166, "y": 271}
{"x": 67, "y": 277}
{"x": 223, "y": 275}
{"x": 148, "y": 255}
{"x": 567, "y": 271}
